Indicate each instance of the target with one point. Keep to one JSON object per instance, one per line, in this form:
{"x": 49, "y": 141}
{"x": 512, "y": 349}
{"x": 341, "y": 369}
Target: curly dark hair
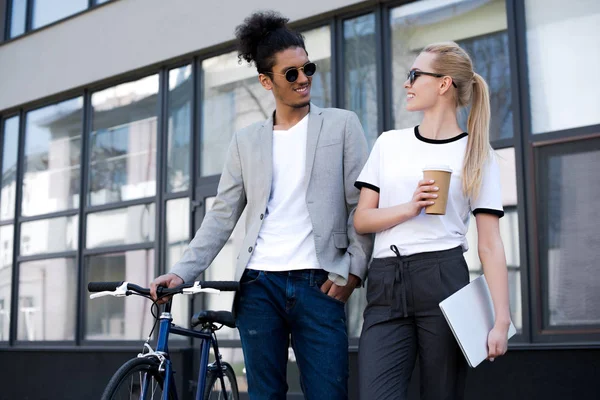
{"x": 262, "y": 35}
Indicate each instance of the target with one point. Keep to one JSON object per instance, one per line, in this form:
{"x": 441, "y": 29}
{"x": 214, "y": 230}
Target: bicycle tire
{"x": 212, "y": 390}
{"x": 121, "y": 386}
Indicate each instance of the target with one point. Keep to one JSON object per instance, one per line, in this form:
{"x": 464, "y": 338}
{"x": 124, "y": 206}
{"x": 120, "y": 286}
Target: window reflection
{"x": 10, "y": 146}
{"x": 46, "y": 300}
{"x": 49, "y": 235}
{"x": 570, "y": 238}
{"x": 482, "y": 33}
{"x": 123, "y": 142}
{"x": 123, "y": 318}
{"x": 360, "y": 72}
{"x": 121, "y": 226}
{"x": 178, "y": 237}
{"x": 179, "y": 129}
{"x": 52, "y": 158}
{"x": 6, "y": 267}
{"x": 47, "y": 11}
{"x": 17, "y": 18}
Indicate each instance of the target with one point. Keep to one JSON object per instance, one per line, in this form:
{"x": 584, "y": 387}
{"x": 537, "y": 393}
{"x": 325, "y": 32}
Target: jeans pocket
{"x": 250, "y": 276}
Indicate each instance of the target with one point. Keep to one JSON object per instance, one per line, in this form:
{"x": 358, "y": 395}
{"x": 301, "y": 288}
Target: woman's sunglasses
{"x": 291, "y": 75}
{"x": 413, "y": 74}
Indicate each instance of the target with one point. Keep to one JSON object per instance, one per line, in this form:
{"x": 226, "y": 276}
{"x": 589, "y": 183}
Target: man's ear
{"x": 265, "y": 81}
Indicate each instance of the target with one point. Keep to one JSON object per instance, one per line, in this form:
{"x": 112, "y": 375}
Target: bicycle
{"x": 150, "y": 374}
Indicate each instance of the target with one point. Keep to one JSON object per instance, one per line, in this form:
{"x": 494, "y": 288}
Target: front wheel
{"x": 214, "y": 390}
{"x": 138, "y": 378}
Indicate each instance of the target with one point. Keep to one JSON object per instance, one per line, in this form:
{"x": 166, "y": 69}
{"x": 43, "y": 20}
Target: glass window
{"x": 509, "y": 232}
{"x": 17, "y": 17}
{"x": 233, "y": 98}
{"x": 477, "y": 26}
{"x": 360, "y": 72}
{"x": 120, "y": 318}
{"x": 10, "y": 146}
{"x": 178, "y": 237}
{"x": 6, "y": 267}
{"x": 49, "y": 235}
{"x": 123, "y": 142}
{"x": 179, "y": 129}
{"x": 47, "y": 11}
{"x": 52, "y": 158}
{"x": 47, "y": 293}
{"x": 569, "y": 233}
{"x": 563, "y": 40}
{"x": 318, "y": 47}
{"x": 223, "y": 269}
{"x": 121, "y": 226}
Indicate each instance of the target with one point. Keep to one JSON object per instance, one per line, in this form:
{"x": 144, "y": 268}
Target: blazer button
{"x": 262, "y": 216}
{"x": 249, "y": 249}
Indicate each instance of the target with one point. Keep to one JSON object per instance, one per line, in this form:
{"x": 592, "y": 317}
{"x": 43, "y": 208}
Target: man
{"x": 301, "y": 257}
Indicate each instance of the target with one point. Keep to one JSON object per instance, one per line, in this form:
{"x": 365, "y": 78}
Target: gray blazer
{"x": 336, "y": 152}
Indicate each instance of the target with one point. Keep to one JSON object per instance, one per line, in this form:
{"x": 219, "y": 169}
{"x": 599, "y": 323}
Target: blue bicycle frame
{"x": 165, "y": 328}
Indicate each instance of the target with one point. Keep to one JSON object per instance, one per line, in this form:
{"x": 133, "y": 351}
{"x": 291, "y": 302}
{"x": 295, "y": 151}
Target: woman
{"x": 418, "y": 258}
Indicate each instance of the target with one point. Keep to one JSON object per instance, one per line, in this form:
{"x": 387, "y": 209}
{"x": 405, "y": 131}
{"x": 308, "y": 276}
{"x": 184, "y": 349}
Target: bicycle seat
{"x": 218, "y": 317}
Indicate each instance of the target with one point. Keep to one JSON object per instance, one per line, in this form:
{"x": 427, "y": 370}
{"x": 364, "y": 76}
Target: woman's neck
{"x": 440, "y": 124}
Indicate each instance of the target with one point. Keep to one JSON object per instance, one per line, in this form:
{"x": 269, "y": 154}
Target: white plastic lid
{"x": 440, "y": 167}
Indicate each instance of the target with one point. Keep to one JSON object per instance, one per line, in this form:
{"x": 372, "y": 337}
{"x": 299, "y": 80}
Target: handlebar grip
{"x": 224, "y": 286}
{"x": 103, "y": 286}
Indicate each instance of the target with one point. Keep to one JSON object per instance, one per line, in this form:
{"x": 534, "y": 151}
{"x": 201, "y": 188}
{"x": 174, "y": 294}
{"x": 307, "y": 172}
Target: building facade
{"x": 114, "y": 121}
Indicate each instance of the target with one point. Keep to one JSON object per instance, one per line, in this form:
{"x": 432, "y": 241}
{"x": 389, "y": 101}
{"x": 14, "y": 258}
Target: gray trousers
{"x": 402, "y": 320}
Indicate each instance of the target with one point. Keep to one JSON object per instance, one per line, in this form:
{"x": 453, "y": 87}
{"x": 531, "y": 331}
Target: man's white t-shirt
{"x": 286, "y": 241}
{"x": 394, "y": 168}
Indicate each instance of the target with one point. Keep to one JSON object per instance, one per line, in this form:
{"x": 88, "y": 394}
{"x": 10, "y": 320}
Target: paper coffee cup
{"x": 441, "y": 175}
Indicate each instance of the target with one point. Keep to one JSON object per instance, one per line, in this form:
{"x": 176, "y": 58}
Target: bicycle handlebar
{"x": 225, "y": 286}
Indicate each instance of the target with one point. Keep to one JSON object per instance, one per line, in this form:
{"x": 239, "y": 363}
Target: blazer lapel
{"x": 265, "y": 146}
{"x": 315, "y": 121}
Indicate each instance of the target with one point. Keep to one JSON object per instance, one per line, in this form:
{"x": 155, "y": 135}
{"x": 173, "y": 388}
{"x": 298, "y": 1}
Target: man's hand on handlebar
{"x": 169, "y": 281}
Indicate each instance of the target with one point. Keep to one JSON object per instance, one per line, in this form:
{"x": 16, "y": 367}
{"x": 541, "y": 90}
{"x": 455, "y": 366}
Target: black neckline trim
{"x": 438, "y": 141}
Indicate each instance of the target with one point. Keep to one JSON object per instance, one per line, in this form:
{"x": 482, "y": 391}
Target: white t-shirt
{"x": 394, "y": 168}
{"x": 286, "y": 241}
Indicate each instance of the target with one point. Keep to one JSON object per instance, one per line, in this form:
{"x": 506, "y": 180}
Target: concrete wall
{"x": 123, "y": 36}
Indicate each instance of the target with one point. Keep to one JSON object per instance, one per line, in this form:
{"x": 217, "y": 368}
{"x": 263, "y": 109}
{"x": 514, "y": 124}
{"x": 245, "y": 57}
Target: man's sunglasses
{"x": 291, "y": 75}
{"x": 413, "y": 74}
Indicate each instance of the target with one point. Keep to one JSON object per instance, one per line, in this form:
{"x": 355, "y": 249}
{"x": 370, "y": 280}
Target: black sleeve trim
{"x": 359, "y": 185}
{"x": 498, "y": 213}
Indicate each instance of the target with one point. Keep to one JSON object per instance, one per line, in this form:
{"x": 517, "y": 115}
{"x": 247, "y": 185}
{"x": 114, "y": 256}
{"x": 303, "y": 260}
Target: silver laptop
{"x": 470, "y": 315}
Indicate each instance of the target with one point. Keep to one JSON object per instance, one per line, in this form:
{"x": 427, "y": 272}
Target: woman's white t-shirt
{"x": 394, "y": 168}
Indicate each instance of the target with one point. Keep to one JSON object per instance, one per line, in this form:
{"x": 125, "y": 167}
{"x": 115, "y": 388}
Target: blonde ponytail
{"x": 471, "y": 88}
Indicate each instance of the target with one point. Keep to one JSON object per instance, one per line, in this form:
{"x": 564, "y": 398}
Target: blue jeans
{"x": 271, "y": 307}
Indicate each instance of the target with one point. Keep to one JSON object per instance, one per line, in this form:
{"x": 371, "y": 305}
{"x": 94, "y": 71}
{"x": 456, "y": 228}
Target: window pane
{"x": 481, "y": 32}
{"x": 223, "y": 269}
{"x": 52, "y": 158}
{"x": 10, "y": 148}
{"x": 6, "y": 267}
{"x": 47, "y": 11}
{"x": 562, "y": 36}
{"x": 571, "y": 238}
{"x": 47, "y": 293}
{"x": 120, "y": 318}
{"x": 178, "y": 237}
{"x": 123, "y": 142}
{"x": 17, "y": 18}
{"x": 180, "y": 127}
{"x": 318, "y": 47}
{"x": 129, "y": 225}
{"x": 360, "y": 72}
{"x": 232, "y": 98}
{"x": 49, "y": 235}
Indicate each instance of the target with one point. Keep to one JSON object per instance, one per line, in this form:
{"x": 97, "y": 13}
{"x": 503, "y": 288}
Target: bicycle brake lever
{"x": 121, "y": 291}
